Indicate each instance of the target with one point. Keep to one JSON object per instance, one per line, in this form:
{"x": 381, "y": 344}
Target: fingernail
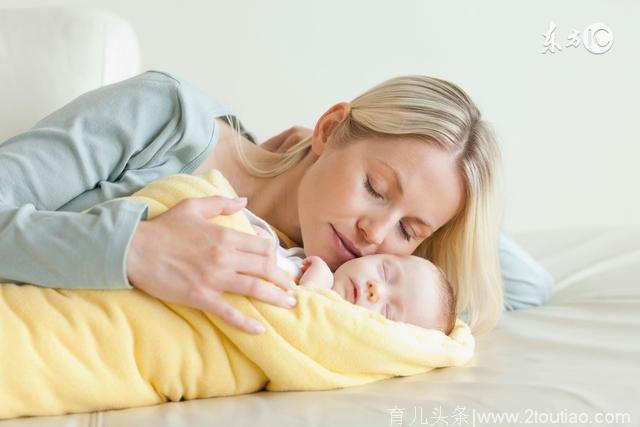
{"x": 257, "y": 328}
{"x": 291, "y": 301}
{"x": 240, "y": 199}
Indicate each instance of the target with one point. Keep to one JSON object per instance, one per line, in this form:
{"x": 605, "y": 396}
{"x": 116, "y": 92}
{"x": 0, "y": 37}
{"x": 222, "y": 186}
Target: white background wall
{"x": 567, "y": 122}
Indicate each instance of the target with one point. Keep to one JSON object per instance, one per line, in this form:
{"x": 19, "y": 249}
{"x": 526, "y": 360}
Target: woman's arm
{"x": 85, "y": 145}
{"x": 526, "y": 282}
{"x": 109, "y": 143}
{"x": 104, "y": 144}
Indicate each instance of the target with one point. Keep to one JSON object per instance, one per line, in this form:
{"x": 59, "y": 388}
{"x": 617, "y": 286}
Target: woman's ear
{"x": 325, "y": 125}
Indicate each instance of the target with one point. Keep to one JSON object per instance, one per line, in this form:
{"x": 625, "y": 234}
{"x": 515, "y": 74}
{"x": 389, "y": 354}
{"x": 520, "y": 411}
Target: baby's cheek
{"x": 336, "y": 285}
{"x": 337, "y": 282}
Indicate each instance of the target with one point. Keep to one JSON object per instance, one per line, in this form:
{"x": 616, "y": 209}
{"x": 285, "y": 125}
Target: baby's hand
{"x": 316, "y": 273}
{"x": 308, "y": 261}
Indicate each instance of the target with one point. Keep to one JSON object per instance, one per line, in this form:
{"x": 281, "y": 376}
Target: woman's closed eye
{"x": 371, "y": 190}
{"x": 374, "y": 193}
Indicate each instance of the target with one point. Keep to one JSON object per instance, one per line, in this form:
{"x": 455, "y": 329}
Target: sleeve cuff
{"x": 115, "y": 272}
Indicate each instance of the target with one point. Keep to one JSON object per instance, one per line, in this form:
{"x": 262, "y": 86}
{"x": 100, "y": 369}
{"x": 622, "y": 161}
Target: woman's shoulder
{"x": 164, "y": 81}
{"x": 158, "y": 78}
{"x": 149, "y": 84}
{"x": 159, "y": 88}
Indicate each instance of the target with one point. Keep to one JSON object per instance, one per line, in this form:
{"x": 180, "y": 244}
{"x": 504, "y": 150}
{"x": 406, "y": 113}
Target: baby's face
{"x": 401, "y": 288}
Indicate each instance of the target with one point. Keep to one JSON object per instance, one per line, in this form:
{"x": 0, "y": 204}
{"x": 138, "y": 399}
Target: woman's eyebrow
{"x": 398, "y": 182}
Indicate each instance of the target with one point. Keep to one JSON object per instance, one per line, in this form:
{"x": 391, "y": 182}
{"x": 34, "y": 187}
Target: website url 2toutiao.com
{"x": 533, "y": 417}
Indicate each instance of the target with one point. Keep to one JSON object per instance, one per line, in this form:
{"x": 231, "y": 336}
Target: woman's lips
{"x": 342, "y": 250}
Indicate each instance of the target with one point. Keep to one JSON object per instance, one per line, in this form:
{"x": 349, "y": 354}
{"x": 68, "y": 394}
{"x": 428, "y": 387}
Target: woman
{"x": 407, "y": 167}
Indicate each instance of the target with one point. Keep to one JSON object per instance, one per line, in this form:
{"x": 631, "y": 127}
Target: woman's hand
{"x": 286, "y": 139}
{"x": 180, "y": 257}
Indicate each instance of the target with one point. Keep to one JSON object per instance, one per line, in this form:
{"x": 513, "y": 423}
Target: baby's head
{"x": 402, "y": 288}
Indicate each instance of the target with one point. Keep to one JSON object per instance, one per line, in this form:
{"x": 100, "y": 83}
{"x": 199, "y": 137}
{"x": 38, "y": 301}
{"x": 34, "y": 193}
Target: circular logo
{"x": 597, "y": 38}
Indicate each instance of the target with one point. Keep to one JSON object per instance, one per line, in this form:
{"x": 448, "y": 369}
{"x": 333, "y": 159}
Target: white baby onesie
{"x": 290, "y": 260}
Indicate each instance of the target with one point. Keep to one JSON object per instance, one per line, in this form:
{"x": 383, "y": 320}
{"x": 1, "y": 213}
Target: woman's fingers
{"x": 286, "y": 139}
{"x": 257, "y": 288}
{"x": 255, "y": 255}
{"x": 211, "y": 302}
{"x": 245, "y": 242}
{"x": 296, "y": 134}
{"x": 200, "y": 260}
{"x": 264, "y": 267}
{"x": 211, "y": 206}
{"x": 274, "y": 143}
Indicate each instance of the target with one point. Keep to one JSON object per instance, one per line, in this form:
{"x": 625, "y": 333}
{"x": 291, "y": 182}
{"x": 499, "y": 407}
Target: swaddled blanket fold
{"x": 69, "y": 351}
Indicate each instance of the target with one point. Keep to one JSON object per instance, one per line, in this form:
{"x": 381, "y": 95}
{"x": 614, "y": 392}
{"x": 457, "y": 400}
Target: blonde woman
{"x": 408, "y": 167}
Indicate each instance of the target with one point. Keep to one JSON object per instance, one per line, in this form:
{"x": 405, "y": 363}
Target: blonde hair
{"x": 447, "y": 301}
{"x": 439, "y": 113}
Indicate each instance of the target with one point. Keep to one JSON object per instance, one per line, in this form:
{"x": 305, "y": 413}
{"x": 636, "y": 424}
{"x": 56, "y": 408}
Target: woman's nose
{"x": 374, "y": 231}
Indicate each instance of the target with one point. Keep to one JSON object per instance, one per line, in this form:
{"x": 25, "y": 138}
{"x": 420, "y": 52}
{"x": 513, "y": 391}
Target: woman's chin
{"x": 328, "y": 257}
{"x": 322, "y": 244}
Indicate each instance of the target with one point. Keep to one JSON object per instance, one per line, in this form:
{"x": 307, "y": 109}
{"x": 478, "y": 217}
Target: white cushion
{"x": 50, "y": 55}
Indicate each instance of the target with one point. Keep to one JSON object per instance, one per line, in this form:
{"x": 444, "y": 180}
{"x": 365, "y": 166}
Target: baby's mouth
{"x": 355, "y": 291}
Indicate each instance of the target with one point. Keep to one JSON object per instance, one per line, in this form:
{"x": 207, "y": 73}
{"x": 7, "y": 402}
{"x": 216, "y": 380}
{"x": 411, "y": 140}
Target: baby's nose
{"x": 373, "y": 291}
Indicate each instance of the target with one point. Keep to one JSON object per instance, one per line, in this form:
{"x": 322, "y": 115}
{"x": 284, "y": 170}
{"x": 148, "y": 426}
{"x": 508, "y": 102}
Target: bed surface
{"x": 574, "y": 357}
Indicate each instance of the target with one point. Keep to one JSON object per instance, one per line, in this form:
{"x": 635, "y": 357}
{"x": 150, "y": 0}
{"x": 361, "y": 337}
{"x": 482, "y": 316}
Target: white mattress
{"x": 578, "y": 356}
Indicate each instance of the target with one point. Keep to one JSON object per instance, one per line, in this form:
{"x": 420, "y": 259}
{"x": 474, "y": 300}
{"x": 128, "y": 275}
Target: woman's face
{"x": 351, "y": 194}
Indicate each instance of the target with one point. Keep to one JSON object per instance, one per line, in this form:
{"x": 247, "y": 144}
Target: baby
{"x": 401, "y": 288}
{"x": 405, "y": 288}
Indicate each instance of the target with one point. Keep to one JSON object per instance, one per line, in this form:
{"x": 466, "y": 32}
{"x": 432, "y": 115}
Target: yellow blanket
{"x": 66, "y": 351}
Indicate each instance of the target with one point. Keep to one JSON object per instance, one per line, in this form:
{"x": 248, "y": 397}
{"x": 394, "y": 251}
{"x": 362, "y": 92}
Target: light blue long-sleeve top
{"x": 111, "y": 142}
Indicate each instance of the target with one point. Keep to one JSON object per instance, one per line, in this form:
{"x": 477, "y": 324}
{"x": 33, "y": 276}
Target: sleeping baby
{"x": 403, "y": 288}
